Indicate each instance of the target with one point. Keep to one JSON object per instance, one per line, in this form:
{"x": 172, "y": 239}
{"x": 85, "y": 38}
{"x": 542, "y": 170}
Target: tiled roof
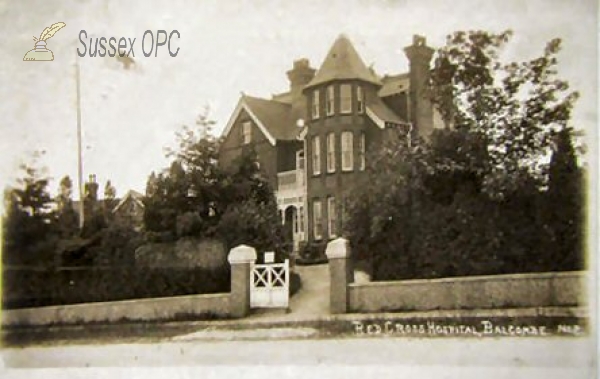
{"x": 394, "y": 84}
{"x": 385, "y": 114}
{"x": 134, "y": 195}
{"x": 284, "y": 97}
{"x": 343, "y": 62}
{"x": 274, "y": 115}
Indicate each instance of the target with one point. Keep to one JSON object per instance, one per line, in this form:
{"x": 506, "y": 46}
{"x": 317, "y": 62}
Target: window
{"x": 360, "y": 100}
{"x": 247, "y": 132}
{"x": 317, "y": 219}
{"x": 345, "y": 98}
{"x": 315, "y": 104}
{"x": 301, "y": 219}
{"x": 331, "y": 152}
{"x": 361, "y": 152}
{"x": 347, "y": 151}
{"x": 329, "y": 103}
{"x": 331, "y": 217}
{"x": 316, "y": 155}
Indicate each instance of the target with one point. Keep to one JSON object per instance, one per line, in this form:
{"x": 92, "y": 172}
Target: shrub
{"x": 295, "y": 283}
{"x": 255, "y": 224}
{"x": 29, "y": 288}
{"x": 188, "y": 224}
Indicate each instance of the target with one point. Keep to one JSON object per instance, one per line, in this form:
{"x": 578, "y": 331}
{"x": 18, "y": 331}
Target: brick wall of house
{"x": 339, "y": 183}
{"x": 233, "y": 147}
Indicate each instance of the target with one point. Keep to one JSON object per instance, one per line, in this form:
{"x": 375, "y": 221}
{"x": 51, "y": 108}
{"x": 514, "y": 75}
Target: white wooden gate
{"x": 269, "y": 285}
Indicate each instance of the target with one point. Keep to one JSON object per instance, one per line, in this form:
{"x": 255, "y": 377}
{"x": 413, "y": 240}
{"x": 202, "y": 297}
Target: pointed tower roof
{"x": 343, "y": 62}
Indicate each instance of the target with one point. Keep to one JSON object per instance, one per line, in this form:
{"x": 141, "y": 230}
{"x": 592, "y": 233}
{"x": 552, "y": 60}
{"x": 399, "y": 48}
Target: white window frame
{"x": 360, "y": 100}
{"x": 316, "y": 155}
{"x": 330, "y": 101}
{"x": 362, "y": 152}
{"x": 317, "y": 219}
{"x": 315, "y": 104}
{"x": 331, "y": 217}
{"x": 346, "y": 98}
{"x": 331, "y": 152}
{"x": 246, "y": 132}
{"x": 347, "y": 151}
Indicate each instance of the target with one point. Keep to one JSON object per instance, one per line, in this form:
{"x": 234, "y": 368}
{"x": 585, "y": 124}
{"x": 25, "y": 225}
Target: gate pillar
{"x": 341, "y": 273}
{"x": 241, "y": 259}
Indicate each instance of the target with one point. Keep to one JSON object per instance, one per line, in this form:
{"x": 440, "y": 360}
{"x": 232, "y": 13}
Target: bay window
{"x": 329, "y": 101}
{"x": 360, "y": 100}
{"x": 347, "y": 151}
{"x": 331, "y": 152}
{"x": 345, "y": 98}
{"x": 315, "y": 104}
{"x": 361, "y": 152}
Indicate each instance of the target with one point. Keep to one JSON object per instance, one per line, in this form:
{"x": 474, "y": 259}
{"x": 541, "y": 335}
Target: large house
{"x": 312, "y": 141}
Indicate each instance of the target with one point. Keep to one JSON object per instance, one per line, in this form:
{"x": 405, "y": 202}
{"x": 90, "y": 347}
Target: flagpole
{"x": 79, "y": 153}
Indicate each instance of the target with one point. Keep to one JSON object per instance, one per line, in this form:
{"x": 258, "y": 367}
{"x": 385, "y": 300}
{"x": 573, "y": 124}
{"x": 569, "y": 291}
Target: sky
{"x": 226, "y": 47}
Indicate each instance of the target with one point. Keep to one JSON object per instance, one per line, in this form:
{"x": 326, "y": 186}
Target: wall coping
{"x": 488, "y": 278}
{"x": 121, "y": 302}
{"x": 242, "y": 254}
{"x": 338, "y": 248}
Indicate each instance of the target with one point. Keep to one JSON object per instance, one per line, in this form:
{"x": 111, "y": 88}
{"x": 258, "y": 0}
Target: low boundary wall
{"x": 234, "y": 304}
{"x": 477, "y": 292}
{"x": 527, "y": 290}
{"x": 167, "y": 308}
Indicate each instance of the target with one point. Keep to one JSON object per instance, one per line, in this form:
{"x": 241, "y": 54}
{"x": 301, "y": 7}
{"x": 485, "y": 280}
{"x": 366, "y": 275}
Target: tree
{"x": 109, "y": 200}
{"x": 250, "y": 213}
{"x": 94, "y": 220}
{"x": 384, "y": 208}
{"x": 197, "y": 152}
{"x": 28, "y": 220}
{"x": 196, "y": 197}
{"x": 66, "y": 216}
{"x": 565, "y": 204}
{"x": 190, "y": 186}
{"x": 512, "y": 108}
{"x": 478, "y": 197}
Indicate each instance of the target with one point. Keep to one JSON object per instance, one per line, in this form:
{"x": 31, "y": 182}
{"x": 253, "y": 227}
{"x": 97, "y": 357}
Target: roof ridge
{"x": 265, "y": 99}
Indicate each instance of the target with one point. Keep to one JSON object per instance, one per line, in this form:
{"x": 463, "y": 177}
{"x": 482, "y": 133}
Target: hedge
{"x": 34, "y": 288}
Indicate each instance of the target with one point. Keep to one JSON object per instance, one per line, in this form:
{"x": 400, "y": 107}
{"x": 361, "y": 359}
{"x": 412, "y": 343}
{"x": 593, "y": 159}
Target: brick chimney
{"x": 421, "y": 110}
{"x": 300, "y": 75}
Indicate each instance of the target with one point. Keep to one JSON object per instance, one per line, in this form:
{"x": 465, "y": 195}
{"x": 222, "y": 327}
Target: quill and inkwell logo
{"x": 40, "y": 52}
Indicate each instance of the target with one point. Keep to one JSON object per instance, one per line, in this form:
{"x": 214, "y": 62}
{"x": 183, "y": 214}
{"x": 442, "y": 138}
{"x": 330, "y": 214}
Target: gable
{"x": 243, "y": 109}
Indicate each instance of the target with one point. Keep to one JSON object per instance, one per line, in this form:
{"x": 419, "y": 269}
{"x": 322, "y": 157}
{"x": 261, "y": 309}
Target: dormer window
{"x": 345, "y": 98}
{"x": 360, "y": 100}
{"x": 315, "y": 105}
{"x": 247, "y": 132}
{"x": 329, "y": 101}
